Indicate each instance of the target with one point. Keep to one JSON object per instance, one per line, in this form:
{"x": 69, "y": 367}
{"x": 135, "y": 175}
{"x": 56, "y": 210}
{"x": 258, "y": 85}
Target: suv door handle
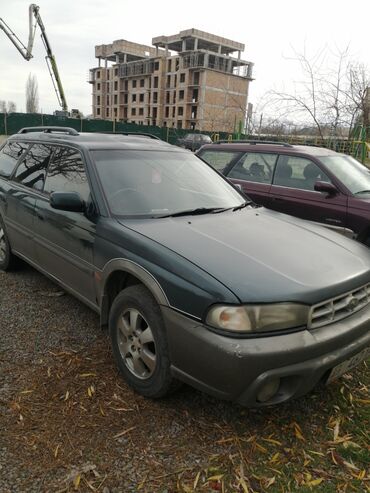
{"x": 278, "y": 199}
{"x": 40, "y": 216}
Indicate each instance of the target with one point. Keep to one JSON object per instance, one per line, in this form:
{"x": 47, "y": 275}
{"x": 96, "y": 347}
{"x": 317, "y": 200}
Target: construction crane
{"x": 26, "y": 51}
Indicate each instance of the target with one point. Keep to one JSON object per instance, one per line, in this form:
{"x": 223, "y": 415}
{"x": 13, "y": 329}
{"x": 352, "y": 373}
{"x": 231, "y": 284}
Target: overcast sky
{"x": 269, "y": 29}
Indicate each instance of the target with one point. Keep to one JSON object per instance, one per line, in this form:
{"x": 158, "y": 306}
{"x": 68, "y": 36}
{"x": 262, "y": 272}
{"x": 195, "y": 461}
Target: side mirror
{"x": 67, "y": 201}
{"x": 326, "y": 187}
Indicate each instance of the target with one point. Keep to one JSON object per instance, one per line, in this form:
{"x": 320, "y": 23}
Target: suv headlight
{"x": 258, "y": 318}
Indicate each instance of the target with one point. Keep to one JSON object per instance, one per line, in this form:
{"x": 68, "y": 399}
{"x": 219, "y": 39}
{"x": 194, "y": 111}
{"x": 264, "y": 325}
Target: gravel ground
{"x": 68, "y": 422}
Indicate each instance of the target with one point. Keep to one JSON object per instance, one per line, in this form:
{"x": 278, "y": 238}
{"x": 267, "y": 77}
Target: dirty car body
{"x": 253, "y": 306}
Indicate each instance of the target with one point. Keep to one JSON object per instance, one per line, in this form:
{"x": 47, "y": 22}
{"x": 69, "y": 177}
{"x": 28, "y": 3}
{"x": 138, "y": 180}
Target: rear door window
{"x": 220, "y": 160}
{"x": 67, "y": 173}
{"x": 256, "y": 167}
{"x": 32, "y": 170}
{"x": 9, "y": 156}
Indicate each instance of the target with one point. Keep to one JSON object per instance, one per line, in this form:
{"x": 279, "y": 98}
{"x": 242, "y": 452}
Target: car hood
{"x": 262, "y": 255}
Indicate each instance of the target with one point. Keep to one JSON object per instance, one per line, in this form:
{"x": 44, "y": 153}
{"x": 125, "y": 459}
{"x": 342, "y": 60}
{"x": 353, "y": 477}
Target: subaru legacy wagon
{"x": 312, "y": 183}
{"x": 195, "y": 283}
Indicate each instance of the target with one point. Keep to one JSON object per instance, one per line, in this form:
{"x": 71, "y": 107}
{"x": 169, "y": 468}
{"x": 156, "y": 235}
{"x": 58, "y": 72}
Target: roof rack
{"x": 253, "y": 142}
{"x": 49, "y": 130}
{"x": 137, "y": 134}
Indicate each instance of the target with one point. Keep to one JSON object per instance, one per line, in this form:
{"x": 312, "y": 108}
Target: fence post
{"x": 114, "y": 126}
{"x": 81, "y": 125}
{"x": 5, "y": 124}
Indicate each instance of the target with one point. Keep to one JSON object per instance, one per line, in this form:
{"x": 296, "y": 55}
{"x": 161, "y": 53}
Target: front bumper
{"x": 238, "y": 368}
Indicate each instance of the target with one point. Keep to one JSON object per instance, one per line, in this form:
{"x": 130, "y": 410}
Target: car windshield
{"x": 159, "y": 183}
{"x": 354, "y": 175}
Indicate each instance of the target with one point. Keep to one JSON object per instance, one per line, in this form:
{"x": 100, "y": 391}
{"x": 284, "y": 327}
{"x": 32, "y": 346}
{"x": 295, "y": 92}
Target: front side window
{"x": 67, "y": 173}
{"x": 354, "y": 175}
{"x": 9, "y": 156}
{"x": 32, "y": 170}
{"x": 155, "y": 183}
{"x": 256, "y": 167}
{"x": 298, "y": 172}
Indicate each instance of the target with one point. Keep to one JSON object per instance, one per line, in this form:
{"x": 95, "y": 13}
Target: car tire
{"x": 8, "y": 261}
{"x": 139, "y": 343}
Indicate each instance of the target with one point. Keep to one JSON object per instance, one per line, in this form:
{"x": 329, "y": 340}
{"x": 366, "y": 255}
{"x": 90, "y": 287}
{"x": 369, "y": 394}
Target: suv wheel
{"x": 7, "y": 259}
{"x": 139, "y": 342}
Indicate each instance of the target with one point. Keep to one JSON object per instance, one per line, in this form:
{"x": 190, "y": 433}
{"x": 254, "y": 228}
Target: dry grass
{"x": 73, "y": 423}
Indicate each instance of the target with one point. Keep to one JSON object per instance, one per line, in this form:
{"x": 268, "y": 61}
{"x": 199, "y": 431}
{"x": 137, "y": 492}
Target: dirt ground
{"x": 69, "y": 423}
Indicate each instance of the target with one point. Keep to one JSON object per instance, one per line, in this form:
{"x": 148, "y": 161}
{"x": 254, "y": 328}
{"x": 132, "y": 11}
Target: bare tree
{"x": 330, "y": 96}
{"x": 12, "y": 107}
{"x": 32, "y": 94}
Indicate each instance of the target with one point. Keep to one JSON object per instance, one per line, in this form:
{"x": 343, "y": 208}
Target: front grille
{"x": 339, "y": 307}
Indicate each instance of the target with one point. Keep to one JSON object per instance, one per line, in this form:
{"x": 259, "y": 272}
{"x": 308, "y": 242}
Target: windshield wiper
{"x": 194, "y": 212}
{"x": 362, "y": 191}
{"x": 238, "y": 207}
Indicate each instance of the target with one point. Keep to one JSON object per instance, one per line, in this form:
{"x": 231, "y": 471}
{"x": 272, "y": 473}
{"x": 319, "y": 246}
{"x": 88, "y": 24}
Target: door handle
{"x": 40, "y": 216}
{"x": 277, "y": 199}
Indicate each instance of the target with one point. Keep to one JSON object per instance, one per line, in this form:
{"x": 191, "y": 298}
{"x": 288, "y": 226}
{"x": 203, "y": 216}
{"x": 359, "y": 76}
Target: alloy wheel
{"x": 136, "y": 344}
{"x": 3, "y": 245}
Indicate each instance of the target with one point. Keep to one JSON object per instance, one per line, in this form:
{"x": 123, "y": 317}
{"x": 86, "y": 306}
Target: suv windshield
{"x": 354, "y": 175}
{"x": 157, "y": 183}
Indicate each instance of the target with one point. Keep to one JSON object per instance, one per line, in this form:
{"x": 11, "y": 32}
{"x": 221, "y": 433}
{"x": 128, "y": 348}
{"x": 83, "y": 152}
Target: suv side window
{"x": 32, "y": 170}
{"x": 219, "y": 159}
{"x": 67, "y": 173}
{"x": 298, "y": 172}
{"x": 256, "y": 167}
{"x": 9, "y": 156}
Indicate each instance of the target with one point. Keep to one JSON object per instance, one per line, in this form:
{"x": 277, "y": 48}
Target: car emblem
{"x": 352, "y": 303}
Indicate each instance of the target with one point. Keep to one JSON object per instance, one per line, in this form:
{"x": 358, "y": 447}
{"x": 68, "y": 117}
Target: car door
{"x": 254, "y": 172}
{"x": 65, "y": 239}
{"x": 24, "y": 188}
{"x": 293, "y": 192}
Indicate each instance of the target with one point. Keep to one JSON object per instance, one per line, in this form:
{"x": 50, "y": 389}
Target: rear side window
{"x": 66, "y": 173}
{"x": 32, "y": 170}
{"x": 298, "y": 172}
{"x": 220, "y": 159}
{"x": 9, "y": 156}
{"x": 256, "y": 167}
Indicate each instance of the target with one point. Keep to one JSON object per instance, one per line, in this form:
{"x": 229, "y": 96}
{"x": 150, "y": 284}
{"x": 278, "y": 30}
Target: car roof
{"x": 260, "y": 146}
{"x": 94, "y": 141}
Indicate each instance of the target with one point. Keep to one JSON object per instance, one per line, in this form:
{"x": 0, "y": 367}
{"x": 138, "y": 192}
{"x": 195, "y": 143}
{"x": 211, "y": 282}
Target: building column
{"x": 239, "y": 55}
{"x": 195, "y": 44}
{"x": 219, "y": 50}
{"x": 184, "y": 45}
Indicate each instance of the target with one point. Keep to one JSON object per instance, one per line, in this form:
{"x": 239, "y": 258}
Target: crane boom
{"x": 26, "y": 51}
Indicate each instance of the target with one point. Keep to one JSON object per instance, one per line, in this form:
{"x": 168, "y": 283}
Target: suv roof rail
{"x": 253, "y": 142}
{"x": 49, "y": 130}
{"x": 137, "y": 134}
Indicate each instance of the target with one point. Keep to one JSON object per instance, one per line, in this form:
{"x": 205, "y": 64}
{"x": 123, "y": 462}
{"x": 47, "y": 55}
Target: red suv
{"x": 308, "y": 182}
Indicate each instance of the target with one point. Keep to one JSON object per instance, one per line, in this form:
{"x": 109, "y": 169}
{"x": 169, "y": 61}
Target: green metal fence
{"x": 13, "y": 122}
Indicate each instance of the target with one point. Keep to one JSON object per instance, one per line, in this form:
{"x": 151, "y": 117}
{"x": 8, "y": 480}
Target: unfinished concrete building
{"x": 188, "y": 80}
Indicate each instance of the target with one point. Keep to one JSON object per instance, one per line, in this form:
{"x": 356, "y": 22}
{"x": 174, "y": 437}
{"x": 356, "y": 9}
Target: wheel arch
{"x": 121, "y": 273}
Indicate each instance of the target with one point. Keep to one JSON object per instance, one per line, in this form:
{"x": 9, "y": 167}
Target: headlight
{"x": 257, "y": 318}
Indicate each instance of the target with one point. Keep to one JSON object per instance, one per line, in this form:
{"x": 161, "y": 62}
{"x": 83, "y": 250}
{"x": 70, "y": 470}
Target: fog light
{"x": 268, "y": 390}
